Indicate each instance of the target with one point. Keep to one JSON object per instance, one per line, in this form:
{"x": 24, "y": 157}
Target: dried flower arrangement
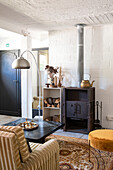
{"x": 51, "y": 70}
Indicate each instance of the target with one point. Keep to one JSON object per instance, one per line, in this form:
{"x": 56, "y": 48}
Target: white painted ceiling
{"x": 8, "y": 34}
{"x": 32, "y": 15}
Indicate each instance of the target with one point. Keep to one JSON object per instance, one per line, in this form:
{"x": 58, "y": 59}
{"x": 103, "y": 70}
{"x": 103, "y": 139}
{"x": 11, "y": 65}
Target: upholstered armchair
{"x": 15, "y": 154}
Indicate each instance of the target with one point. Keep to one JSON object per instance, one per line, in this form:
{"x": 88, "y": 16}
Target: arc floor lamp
{"x": 22, "y": 63}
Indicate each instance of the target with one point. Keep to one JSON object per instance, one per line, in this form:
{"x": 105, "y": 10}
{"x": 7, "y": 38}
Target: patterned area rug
{"x": 74, "y": 155}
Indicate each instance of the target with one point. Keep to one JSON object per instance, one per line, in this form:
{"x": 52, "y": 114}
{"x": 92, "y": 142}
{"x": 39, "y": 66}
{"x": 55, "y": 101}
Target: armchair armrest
{"x": 44, "y": 157}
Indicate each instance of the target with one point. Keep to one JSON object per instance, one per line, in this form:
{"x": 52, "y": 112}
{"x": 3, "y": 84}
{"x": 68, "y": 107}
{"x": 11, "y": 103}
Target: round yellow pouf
{"x": 101, "y": 139}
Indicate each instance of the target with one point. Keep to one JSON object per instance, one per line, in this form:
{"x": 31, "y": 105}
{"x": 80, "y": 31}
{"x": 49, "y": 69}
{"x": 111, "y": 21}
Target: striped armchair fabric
{"x": 14, "y": 152}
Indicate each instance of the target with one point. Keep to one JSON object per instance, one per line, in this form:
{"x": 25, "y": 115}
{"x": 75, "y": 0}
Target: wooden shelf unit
{"x": 51, "y": 111}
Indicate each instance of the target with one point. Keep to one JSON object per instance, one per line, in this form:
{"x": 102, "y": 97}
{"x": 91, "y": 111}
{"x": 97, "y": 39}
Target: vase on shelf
{"x": 51, "y": 82}
{"x": 35, "y": 103}
{"x": 59, "y": 84}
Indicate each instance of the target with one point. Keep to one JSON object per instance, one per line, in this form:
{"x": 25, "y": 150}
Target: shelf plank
{"x": 56, "y": 108}
{"x": 50, "y": 88}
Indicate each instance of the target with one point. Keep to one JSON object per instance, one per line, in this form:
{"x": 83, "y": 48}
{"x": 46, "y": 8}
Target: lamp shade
{"x": 20, "y": 63}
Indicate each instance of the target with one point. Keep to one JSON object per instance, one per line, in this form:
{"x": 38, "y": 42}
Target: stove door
{"x": 77, "y": 109}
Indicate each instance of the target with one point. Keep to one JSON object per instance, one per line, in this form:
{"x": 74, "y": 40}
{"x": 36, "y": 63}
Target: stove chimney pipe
{"x": 80, "y": 53}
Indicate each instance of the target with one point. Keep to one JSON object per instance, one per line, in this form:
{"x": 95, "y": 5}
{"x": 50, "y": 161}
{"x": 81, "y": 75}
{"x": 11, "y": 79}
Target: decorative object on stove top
{"x": 86, "y": 82}
{"x": 52, "y": 102}
{"x": 27, "y": 125}
{"x": 51, "y": 72}
{"x": 98, "y": 123}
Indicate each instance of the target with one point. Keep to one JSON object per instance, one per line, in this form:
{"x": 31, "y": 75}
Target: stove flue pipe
{"x": 80, "y": 53}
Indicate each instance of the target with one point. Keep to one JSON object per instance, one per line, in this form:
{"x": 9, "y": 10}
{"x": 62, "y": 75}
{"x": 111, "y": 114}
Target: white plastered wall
{"x": 98, "y": 61}
{"x": 62, "y": 52}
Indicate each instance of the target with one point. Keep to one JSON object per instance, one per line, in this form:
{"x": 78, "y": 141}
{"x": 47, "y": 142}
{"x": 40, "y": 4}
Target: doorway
{"x": 10, "y": 84}
{"x": 42, "y": 59}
